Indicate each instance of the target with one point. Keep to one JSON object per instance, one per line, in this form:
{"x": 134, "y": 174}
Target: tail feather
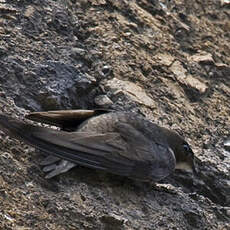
{"x": 31, "y": 134}
{"x": 12, "y": 126}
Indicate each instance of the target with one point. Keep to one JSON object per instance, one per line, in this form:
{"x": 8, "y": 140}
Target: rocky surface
{"x": 168, "y": 60}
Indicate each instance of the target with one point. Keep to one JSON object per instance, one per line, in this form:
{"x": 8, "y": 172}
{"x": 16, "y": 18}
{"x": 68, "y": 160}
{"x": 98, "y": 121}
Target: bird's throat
{"x": 183, "y": 166}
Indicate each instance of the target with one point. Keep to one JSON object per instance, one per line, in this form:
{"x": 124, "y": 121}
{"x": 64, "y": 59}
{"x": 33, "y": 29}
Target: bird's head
{"x": 184, "y": 155}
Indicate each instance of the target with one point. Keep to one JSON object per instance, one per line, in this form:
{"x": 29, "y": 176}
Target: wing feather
{"x": 126, "y": 151}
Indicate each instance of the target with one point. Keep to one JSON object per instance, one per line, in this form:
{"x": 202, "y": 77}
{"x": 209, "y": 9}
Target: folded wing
{"x": 66, "y": 119}
{"x": 126, "y": 151}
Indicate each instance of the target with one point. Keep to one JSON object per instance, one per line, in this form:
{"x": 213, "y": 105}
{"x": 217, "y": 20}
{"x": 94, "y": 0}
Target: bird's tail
{"x": 25, "y": 132}
{"x": 48, "y": 140}
{"x": 15, "y": 128}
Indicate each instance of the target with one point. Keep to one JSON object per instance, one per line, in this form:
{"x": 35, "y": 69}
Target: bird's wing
{"x": 64, "y": 118}
{"x": 125, "y": 152}
{"x": 152, "y": 154}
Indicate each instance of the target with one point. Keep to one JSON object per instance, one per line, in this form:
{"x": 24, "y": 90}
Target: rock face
{"x": 48, "y": 85}
{"x": 169, "y": 62}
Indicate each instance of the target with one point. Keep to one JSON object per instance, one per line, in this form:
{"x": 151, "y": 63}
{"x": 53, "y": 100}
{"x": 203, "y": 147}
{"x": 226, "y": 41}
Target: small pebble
{"x": 103, "y": 100}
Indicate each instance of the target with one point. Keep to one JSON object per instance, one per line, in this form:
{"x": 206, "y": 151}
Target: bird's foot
{"x": 54, "y": 166}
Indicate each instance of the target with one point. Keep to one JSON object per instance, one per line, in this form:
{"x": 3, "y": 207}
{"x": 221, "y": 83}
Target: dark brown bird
{"x": 121, "y": 143}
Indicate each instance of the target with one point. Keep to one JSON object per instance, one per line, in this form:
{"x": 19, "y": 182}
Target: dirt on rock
{"x": 168, "y": 60}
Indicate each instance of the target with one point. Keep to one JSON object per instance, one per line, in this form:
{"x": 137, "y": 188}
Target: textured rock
{"x": 133, "y": 91}
{"x": 67, "y": 54}
{"x": 50, "y": 85}
{"x": 202, "y": 57}
{"x": 186, "y": 79}
{"x": 164, "y": 59}
{"x": 102, "y": 101}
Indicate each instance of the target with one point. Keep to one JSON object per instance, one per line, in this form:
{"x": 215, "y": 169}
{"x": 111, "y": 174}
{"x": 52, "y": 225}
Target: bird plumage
{"x": 121, "y": 143}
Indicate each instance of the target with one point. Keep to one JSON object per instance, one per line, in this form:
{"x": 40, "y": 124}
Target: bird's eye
{"x": 186, "y": 148}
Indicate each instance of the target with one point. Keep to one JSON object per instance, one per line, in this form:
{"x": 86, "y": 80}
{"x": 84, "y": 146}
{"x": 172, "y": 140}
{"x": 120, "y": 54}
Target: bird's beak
{"x": 184, "y": 166}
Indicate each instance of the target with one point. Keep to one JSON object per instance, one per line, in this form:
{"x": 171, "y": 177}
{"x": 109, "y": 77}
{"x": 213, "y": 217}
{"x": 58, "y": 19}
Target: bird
{"x": 118, "y": 142}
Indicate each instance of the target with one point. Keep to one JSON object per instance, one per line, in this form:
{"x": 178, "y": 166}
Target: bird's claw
{"x": 49, "y": 160}
{"x": 54, "y": 166}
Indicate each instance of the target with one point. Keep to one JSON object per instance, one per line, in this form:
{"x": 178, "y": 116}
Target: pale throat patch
{"x": 184, "y": 166}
